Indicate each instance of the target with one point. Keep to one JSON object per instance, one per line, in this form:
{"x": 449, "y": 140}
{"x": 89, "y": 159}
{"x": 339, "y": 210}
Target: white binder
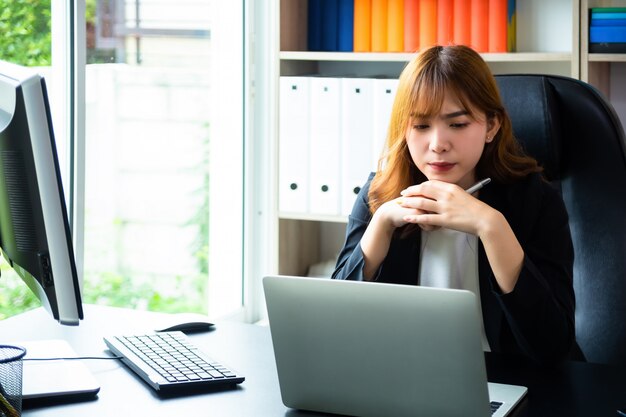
{"x": 324, "y": 127}
{"x": 357, "y": 111}
{"x": 293, "y": 166}
{"x": 384, "y": 95}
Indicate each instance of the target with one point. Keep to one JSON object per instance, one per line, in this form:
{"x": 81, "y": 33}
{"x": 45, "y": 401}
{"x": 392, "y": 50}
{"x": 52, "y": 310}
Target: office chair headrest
{"x": 531, "y": 104}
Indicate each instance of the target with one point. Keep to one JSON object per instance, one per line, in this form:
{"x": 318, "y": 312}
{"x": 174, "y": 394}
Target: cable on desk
{"x": 74, "y": 358}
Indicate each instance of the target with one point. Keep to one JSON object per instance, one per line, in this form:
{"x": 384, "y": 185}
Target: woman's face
{"x": 448, "y": 145}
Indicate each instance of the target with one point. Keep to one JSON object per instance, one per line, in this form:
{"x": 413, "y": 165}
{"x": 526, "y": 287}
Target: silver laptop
{"x": 371, "y": 349}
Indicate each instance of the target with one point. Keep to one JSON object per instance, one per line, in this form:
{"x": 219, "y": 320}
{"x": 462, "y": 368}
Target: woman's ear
{"x": 493, "y": 126}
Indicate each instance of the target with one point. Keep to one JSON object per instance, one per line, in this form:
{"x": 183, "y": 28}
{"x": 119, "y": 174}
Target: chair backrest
{"x": 576, "y": 135}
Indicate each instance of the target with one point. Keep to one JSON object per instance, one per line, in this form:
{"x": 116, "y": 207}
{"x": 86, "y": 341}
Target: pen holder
{"x": 11, "y": 380}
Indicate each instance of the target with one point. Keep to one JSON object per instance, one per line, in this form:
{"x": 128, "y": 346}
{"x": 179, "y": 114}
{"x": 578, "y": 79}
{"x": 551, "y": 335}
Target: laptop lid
{"x": 371, "y": 349}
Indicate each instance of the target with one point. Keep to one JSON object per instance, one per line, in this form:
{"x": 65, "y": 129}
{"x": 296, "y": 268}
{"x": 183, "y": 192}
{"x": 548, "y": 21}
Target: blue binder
{"x": 345, "y": 41}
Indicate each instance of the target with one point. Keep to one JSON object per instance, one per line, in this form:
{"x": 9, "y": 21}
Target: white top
{"x": 449, "y": 259}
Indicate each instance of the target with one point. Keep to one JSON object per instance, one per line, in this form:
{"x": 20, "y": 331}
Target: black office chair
{"x": 575, "y": 134}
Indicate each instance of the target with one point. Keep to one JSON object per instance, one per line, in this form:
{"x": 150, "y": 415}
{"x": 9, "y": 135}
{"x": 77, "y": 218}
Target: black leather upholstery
{"x": 575, "y": 134}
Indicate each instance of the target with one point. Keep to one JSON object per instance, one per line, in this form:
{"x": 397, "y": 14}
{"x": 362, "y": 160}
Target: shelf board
{"x": 405, "y": 57}
{"x": 607, "y": 57}
{"x": 312, "y": 217}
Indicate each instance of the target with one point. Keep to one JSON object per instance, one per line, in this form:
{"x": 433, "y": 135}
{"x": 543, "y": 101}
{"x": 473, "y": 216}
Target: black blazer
{"x": 537, "y": 318}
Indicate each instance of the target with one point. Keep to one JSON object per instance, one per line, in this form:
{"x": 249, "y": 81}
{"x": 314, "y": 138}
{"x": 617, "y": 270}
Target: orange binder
{"x": 497, "y": 25}
{"x": 479, "y": 27}
{"x": 395, "y": 25}
{"x": 411, "y": 26}
{"x": 428, "y": 23}
{"x": 461, "y": 22}
{"x": 379, "y": 25}
{"x": 362, "y": 25}
{"x": 445, "y": 21}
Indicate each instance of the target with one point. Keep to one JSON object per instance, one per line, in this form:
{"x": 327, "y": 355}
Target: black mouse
{"x": 186, "y": 323}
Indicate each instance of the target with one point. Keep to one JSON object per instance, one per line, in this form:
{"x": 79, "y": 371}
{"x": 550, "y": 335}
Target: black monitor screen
{"x": 35, "y": 236}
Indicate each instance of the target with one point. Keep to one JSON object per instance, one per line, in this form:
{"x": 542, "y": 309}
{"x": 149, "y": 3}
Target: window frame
{"x": 261, "y": 159}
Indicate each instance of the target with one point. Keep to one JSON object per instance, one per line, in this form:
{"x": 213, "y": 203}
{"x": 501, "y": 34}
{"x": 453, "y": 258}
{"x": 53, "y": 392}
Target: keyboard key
{"x": 494, "y": 406}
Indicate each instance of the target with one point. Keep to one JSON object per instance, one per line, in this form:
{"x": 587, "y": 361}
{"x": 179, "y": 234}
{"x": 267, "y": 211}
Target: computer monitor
{"x": 35, "y": 236}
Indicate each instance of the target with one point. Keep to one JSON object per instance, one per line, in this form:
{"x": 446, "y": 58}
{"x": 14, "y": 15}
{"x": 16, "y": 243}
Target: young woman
{"x": 413, "y": 222}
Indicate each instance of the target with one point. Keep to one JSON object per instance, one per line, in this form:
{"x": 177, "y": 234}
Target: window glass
{"x": 163, "y": 155}
{"x": 149, "y": 144}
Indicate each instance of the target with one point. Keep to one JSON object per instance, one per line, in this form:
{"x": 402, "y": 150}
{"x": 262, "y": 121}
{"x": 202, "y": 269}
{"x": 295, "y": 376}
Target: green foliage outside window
{"x": 90, "y": 11}
{"x": 25, "y": 35}
{"x": 15, "y": 296}
{"x": 110, "y": 289}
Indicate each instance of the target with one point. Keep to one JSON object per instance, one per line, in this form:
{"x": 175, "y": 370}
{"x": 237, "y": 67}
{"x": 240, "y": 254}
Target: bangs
{"x": 428, "y": 94}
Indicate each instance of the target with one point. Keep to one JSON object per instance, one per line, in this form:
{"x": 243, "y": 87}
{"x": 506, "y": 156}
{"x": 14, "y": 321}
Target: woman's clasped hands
{"x": 434, "y": 204}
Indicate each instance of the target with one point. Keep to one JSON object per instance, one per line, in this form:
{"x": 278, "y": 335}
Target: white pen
{"x": 478, "y": 186}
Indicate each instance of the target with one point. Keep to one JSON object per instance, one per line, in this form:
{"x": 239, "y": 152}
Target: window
{"x": 154, "y": 149}
{"x": 154, "y": 200}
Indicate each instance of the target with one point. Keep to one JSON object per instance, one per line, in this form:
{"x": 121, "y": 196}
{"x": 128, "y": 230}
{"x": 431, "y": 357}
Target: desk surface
{"x": 572, "y": 389}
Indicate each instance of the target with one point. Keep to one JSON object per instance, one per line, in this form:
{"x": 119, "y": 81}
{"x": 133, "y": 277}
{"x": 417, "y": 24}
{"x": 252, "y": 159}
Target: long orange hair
{"x": 421, "y": 90}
